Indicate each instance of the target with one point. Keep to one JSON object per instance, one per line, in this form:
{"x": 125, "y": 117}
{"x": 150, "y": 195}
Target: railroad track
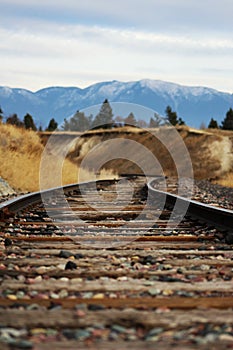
{"x": 106, "y": 266}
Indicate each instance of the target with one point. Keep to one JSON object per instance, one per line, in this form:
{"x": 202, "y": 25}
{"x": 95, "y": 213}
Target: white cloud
{"x": 167, "y": 15}
{"x": 37, "y": 51}
{"x": 44, "y": 39}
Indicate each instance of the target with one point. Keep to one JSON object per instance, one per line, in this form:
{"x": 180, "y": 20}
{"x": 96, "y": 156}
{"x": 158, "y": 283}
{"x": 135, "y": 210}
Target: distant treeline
{"x": 105, "y": 119}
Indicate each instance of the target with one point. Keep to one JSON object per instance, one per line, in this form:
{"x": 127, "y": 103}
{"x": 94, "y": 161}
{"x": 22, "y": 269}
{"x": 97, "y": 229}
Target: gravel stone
{"x": 65, "y": 254}
{"x": 70, "y": 265}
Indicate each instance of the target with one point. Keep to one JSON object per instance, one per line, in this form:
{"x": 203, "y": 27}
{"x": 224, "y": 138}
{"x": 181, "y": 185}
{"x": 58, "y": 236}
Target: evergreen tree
{"x": 213, "y": 124}
{"x": 66, "y": 125}
{"x": 180, "y": 121}
{"x": 227, "y": 123}
{"x": 14, "y": 120}
{"x": 202, "y": 126}
{"x": 131, "y": 120}
{"x": 29, "y": 122}
{"x": 153, "y": 123}
{"x": 119, "y": 121}
{"x": 104, "y": 117}
{"x": 142, "y": 124}
{"x": 171, "y": 115}
{"x": 1, "y": 114}
{"x": 79, "y": 122}
{"x": 157, "y": 121}
{"x": 52, "y": 125}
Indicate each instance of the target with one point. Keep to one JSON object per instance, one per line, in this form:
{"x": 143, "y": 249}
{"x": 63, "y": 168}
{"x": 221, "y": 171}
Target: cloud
{"x": 165, "y": 15}
{"x": 49, "y": 40}
{"x": 80, "y": 42}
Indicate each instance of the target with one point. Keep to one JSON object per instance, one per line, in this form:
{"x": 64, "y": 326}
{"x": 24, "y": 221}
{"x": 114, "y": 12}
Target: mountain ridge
{"x": 194, "y": 104}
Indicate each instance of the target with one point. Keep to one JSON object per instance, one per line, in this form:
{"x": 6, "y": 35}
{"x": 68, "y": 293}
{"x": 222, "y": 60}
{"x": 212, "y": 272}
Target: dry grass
{"x": 210, "y": 153}
{"x": 20, "y": 152}
{"x": 226, "y": 181}
{"x": 20, "y": 157}
{"x": 57, "y": 172}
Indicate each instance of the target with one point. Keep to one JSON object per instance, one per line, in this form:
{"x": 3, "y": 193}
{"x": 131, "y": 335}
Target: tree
{"x": 79, "y": 122}
{"x": 104, "y": 117}
{"x": 131, "y": 120}
{"x": 29, "y": 122}
{"x": 119, "y": 121}
{"x": 66, "y": 125}
{"x": 14, "y": 120}
{"x": 172, "y": 117}
{"x": 52, "y": 125}
{"x": 1, "y": 114}
{"x": 142, "y": 124}
{"x": 180, "y": 121}
{"x": 227, "y": 123}
{"x": 213, "y": 124}
{"x": 157, "y": 121}
{"x": 202, "y": 126}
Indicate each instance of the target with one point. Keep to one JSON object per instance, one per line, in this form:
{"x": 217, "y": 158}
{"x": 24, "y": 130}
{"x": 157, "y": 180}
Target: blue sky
{"x": 78, "y": 43}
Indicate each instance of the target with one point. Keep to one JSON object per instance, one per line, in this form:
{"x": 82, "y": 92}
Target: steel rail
{"x": 219, "y": 217}
{"x": 16, "y": 204}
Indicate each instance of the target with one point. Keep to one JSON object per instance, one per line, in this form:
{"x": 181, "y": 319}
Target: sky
{"x": 78, "y": 43}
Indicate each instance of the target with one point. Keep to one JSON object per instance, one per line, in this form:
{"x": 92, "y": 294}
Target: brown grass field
{"x": 20, "y": 157}
{"x": 21, "y": 151}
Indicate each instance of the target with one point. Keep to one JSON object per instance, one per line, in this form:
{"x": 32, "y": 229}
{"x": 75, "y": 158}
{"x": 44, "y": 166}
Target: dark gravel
{"x": 219, "y": 194}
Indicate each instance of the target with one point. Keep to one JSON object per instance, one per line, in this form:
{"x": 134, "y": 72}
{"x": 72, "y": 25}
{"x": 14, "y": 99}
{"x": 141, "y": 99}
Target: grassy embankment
{"x": 210, "y": 152}
{"x": 227, "y": 178}
{"x": 20, "y": 157}
{"x": 21, "y": 151}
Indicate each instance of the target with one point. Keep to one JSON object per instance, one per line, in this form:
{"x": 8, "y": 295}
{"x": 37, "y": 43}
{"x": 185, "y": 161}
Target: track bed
{"x": 112, "y": 272}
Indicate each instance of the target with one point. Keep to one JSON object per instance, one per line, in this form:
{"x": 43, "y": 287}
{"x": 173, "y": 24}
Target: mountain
{"x": 194, "y": 105}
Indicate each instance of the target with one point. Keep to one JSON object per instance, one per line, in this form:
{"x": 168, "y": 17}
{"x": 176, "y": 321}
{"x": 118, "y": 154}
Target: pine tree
{"x": 227, "y": 123}
{"x": 157, "y": 121}
{"x": 14, "y": 120}
{"x": 1, "y": 114}
{"x": 66, "y": 125}
{"x": 142, "y": 123}
{"x": 52, "y": 125}
{"x": 29, "y": 122}
{"x": 130, "y": 120}
{"x": 213, "y": 124}
{"x": 202, "y": 126}
{"x": 105, "y": 116}
{"x": 79, "y": 122}
{"x": 172, "y": 116}
{"x": 180, "y": 121}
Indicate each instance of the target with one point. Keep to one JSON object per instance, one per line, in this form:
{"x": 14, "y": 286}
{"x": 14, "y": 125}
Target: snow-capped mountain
{"x": 194, "y": 105}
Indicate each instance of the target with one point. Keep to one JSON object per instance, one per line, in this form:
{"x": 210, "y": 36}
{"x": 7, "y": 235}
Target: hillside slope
{"x": 21, "y": 151}
{"x": 210, "y": 152}
{"x": 20, "y": 158}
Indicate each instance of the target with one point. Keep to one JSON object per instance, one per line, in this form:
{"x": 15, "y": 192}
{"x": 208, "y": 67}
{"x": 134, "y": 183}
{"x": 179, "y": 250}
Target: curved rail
{"x": 219, "y": 217}
{"x": 19, "y": 203}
